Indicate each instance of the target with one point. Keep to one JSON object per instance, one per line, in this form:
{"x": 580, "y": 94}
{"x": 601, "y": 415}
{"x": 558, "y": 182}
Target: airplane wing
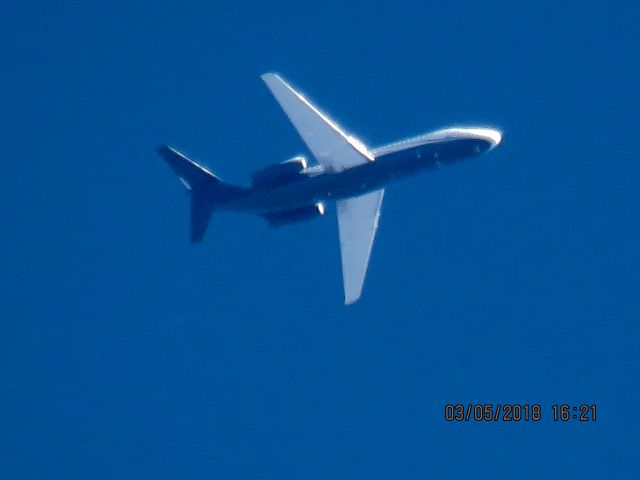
{"x": 357, "y": 223}
{"x": 334, "y": 149}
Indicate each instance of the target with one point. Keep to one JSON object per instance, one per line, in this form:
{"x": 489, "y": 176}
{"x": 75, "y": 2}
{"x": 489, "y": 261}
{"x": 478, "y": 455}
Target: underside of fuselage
{"x": 391, "y": 163}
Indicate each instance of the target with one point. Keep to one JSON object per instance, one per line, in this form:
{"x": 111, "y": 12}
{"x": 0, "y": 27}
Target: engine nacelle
{"x": 287, "y": 171}
{"x": 295, "y": 215}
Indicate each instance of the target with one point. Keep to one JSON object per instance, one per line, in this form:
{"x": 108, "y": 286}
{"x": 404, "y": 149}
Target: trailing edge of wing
{"x": 334, "y": 149}
{"x": 357, "y": 224}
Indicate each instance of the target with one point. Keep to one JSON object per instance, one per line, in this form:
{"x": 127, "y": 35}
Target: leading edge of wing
{"x": 334, "y": 149}
{"x": 357, "y": 224}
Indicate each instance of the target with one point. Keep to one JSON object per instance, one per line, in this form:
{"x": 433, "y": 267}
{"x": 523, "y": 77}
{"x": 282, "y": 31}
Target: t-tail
{"x": 205, "y": 189}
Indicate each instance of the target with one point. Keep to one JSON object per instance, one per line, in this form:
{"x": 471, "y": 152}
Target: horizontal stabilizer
{"x": 205, "y": 189}
{"x": 191, "y": 173}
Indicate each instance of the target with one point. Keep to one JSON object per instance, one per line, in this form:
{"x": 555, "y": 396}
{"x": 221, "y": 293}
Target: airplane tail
{"x": 205, "y": 189}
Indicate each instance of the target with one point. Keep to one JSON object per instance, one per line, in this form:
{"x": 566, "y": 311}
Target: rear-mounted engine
{"x": 295, "y": 215}
{"x": 274, "y": 175}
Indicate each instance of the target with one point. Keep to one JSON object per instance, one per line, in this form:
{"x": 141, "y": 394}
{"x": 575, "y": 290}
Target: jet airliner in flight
{"x": 347, "y": 171}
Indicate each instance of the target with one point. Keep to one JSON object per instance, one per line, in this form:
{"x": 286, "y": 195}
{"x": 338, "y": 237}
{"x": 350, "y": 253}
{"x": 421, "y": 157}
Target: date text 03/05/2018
{"x": 518, "y": 412}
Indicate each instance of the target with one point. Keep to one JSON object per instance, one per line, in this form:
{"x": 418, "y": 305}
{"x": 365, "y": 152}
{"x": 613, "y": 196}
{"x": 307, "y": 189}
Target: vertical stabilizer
{"x": 206, "y": 191}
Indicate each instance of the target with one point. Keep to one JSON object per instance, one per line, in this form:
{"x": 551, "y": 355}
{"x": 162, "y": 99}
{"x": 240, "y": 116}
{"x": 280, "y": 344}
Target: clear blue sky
{"x": 127, "y": 353}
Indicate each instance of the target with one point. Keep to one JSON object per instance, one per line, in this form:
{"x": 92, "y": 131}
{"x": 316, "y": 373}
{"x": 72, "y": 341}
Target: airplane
{"x": 347, "y": 172}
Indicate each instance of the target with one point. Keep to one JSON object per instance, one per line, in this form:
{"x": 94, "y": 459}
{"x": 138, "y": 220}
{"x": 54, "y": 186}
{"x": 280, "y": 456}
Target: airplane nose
{"x": 493, "y": 136}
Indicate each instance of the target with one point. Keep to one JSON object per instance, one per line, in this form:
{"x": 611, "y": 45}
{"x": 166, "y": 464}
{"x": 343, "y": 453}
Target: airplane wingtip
{"x": 351, "y": 300}
{"x": 269, "y": 75}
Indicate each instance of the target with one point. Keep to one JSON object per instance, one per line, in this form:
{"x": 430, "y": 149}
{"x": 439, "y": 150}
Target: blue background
{"x": 127, "y": 353}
